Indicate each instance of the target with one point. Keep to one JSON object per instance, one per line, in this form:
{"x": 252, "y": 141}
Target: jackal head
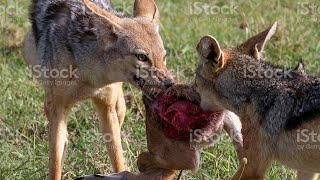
{"x": 129, "y": 49}
{"x": 219, "y": 76}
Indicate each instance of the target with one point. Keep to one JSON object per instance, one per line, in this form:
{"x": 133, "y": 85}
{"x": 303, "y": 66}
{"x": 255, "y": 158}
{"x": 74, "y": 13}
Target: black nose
{"x": 168, "y": 83}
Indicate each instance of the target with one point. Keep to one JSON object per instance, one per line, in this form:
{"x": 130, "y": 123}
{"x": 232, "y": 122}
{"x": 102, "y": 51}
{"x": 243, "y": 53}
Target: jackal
{"x": 104, "y": 49}
{"x": 274, "y": 104}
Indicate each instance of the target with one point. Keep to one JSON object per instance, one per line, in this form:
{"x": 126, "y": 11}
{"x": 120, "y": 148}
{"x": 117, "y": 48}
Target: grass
{"x": 23, "y": 128}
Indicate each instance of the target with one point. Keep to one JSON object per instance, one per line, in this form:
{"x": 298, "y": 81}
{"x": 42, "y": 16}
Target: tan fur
{"x": 101, "y": 84}
{"x": 259, "y": 148}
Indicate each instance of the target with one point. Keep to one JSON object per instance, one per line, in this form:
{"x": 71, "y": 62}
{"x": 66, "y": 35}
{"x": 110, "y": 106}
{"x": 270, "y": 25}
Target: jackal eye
{"x": 142, "y": 57}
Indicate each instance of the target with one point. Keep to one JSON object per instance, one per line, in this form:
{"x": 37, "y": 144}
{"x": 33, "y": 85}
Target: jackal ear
{"x": 255, "y": 45}
{"x": 110, "y": 19}
{"x": 300, "y": 67}
{"x": 148, "y": 9}
{"x": 210, "y": 51}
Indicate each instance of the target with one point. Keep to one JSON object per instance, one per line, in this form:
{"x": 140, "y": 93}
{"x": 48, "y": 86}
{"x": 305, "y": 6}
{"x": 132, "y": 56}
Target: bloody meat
{"x": 179, "y": 116}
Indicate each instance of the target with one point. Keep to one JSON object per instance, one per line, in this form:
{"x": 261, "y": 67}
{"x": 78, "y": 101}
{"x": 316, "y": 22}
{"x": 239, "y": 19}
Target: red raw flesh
{"x": 179, "y": 116}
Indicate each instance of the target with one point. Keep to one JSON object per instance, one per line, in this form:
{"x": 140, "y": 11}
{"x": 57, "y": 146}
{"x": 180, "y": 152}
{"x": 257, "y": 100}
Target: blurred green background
{"x": 23, "y": 127}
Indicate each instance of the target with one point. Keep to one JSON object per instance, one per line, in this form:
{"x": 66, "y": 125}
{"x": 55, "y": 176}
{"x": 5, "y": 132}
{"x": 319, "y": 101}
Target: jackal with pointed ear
{"x": 101, "y": 49}
{"x": 278, "y": 107}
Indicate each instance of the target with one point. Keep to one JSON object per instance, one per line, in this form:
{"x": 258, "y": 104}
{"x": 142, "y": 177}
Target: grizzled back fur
{"x": 281, "y": 102}
{"x": 45, "y": 14}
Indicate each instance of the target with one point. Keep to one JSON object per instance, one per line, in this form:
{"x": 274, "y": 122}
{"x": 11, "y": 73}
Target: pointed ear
{"x": 210, "y": 51}
{"x": 300, "y": 67}
{"x": 148, "y": 9}
{"x": 255, "y": 45}
{"x": 110, "y": 19}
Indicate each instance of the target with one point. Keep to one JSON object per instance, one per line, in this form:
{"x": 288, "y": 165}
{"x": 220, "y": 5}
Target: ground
{"x": 23, "y": 128}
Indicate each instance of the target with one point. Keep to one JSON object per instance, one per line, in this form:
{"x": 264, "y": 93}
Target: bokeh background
{"x": 23, "y": 127}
